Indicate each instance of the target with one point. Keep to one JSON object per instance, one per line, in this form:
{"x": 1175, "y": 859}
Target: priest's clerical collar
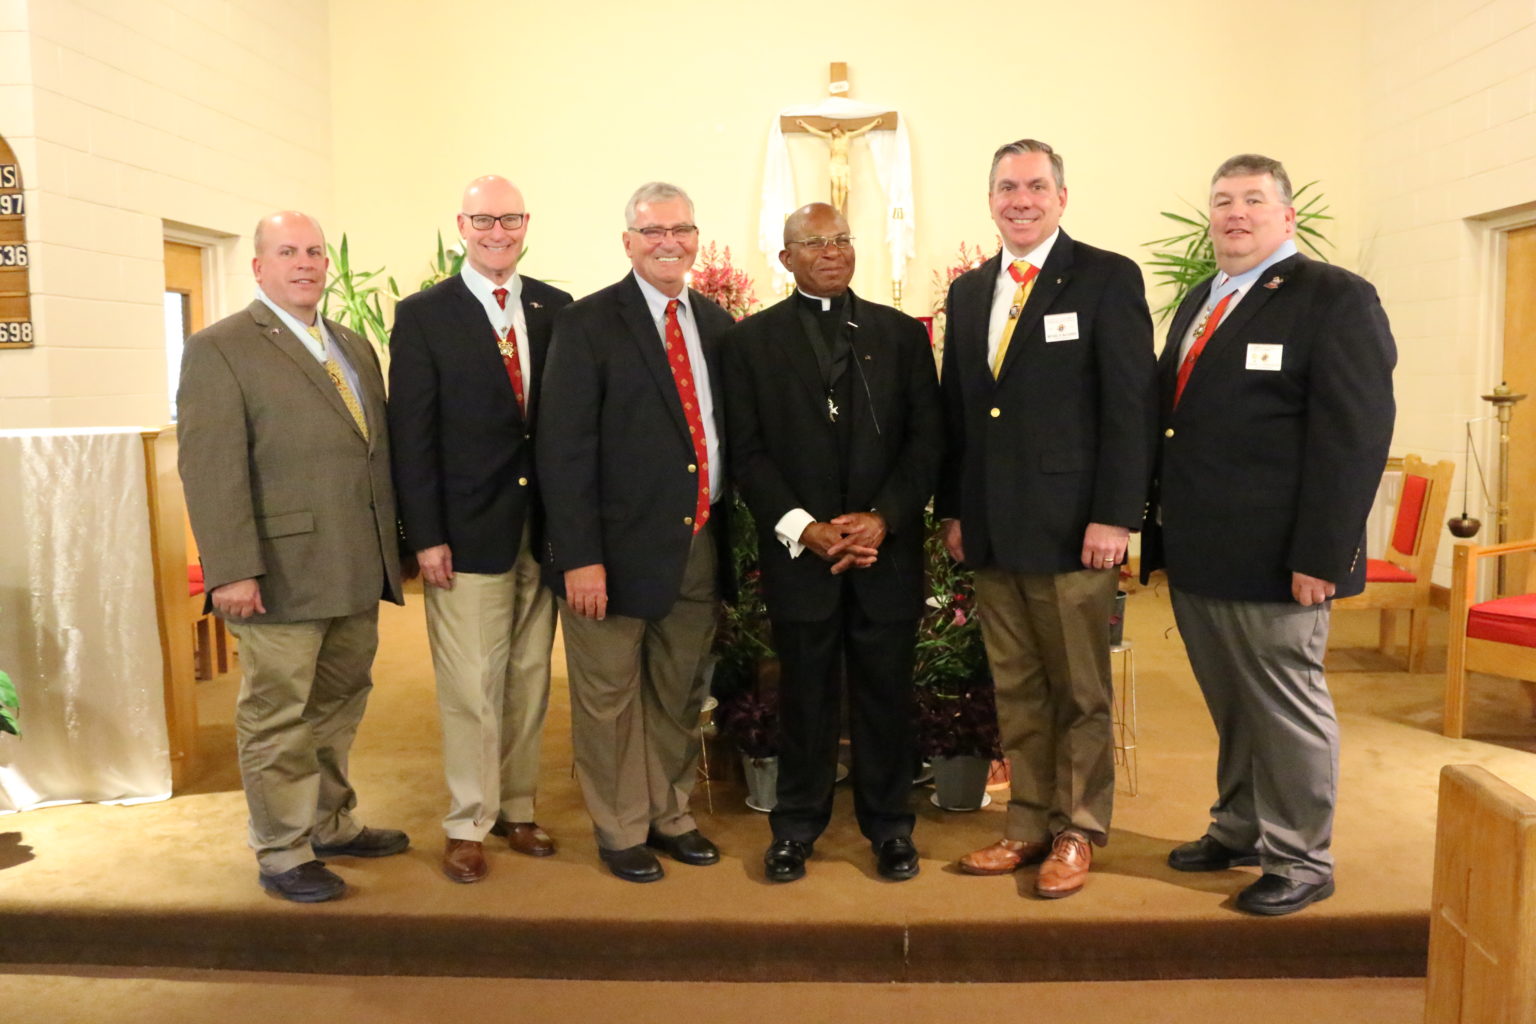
{"x": 822, "y": 301}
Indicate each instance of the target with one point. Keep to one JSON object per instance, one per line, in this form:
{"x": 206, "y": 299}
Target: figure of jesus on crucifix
{"x": 838, "y": 139}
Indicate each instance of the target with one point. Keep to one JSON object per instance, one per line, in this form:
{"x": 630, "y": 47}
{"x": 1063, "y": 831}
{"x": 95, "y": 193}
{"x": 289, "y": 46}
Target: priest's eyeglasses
{"x": 655, "y": 233}
{"x": 818, "y": 243}
{"x": 483, "y": 221}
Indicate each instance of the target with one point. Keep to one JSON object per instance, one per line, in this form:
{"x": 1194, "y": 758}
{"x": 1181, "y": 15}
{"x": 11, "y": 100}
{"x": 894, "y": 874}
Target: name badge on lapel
{"x": 1061, "y": 327}
{"x": 1264, "y": 357}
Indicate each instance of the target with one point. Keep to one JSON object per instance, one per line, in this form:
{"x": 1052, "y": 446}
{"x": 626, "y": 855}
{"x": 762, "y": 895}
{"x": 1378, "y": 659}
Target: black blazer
{"x": 1063, "y": 437}
{"x": 614, "y": 450}
{"x": 1266, "y": 472}
{"x": 463, "y": 455}
{"x": 784, "y": 452}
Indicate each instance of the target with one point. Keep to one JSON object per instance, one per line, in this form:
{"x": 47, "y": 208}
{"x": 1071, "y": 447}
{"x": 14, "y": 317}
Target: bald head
{"x": 280, "y": 220}
{"x": 290, "y": 263}
{"x": 493, "y": 250}
{"x": 821, "y": 266}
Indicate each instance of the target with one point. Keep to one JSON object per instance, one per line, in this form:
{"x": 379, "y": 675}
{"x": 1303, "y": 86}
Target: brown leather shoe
{"x": 525, "y": 837}
{"x": 1003, "y": 857}
{"x": 464, "y": 860}
{"x": 1065, "y": 870}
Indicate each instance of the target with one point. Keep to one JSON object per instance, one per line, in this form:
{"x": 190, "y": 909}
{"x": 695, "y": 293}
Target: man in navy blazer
{"x": 1048, "y": 395}
{"x": 630, "y": 465}
{"x": 836, "y": 437}
{"x": 1276, "y": 413}
{"x": 467, "y": 355}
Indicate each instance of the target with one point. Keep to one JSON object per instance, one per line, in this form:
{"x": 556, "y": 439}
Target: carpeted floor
{"x": 172, "y": 886}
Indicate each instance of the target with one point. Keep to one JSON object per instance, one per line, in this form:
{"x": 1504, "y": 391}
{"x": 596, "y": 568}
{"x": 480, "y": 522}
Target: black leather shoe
{"x": 370, "y": 842}
{"x": 311, "y": 882}
{"x": 633, "y": 863}
{"x": 1206, "y": 854}
{"x": 689, "y": 847}
{"x": 785, "y": 860}
{"x": 1273, "y": 895}
{"x": 896, "y": 859}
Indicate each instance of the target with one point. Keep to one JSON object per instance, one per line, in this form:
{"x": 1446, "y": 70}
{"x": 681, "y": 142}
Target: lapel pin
{"x": 536, "y": 305}
{"x": 1058, "y": 280}
{"x": 1274, "y": 282}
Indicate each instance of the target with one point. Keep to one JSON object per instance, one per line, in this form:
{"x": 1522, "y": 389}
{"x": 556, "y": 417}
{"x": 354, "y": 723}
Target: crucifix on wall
{"x": 839, "y": 133}
{"x": 838, "y": 121}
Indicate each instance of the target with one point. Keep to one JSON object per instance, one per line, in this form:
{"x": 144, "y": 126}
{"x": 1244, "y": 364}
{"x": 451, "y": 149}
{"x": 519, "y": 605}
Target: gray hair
{"x": 653, "y": 192}
{"x": 1253, "y": 163}
{"x": 1019, "y": 148}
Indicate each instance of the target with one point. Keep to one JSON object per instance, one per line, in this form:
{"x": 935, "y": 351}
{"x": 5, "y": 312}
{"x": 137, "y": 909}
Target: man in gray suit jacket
{"x": 285, "y": 461}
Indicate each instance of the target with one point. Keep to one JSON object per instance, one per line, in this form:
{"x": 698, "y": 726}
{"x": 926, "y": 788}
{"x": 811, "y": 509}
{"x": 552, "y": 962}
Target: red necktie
{"x": 682, "y": 375}
{"x": 509, "y": 356}
{"x": 1207, "y": 329}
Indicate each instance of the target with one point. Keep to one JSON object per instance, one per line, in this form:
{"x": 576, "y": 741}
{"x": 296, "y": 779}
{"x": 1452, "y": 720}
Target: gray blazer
{"x": 281, "y": 485}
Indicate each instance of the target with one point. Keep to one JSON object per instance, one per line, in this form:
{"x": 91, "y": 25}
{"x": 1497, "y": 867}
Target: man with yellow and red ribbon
{"x": 1048, "y": 393}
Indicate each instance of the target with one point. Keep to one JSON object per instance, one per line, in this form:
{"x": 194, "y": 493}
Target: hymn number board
{"x": 15, "y": 295}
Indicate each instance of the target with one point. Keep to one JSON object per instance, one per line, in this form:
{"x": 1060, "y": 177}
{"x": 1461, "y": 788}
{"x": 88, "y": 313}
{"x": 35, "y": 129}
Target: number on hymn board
{"x": 13, "y": 255}
{"x": 15, "y": 332}
{"x": 13, "y": 203}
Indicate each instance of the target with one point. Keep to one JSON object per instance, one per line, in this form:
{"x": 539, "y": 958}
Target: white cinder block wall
{"x": 1450, "y": 151}
{"x": 125, "y": 115}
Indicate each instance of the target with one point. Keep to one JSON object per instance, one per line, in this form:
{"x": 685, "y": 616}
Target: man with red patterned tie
{"x": 629, "y": 449}
{"x": 1277, "y": 410}
{"x": 466, "y": 358}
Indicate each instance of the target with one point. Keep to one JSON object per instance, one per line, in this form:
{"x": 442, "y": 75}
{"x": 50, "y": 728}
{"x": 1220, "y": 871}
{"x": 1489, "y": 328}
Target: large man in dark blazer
{"x": 466, "y": 357}
{"x": 1277, "y": 410}
{"x": 1048, "y": 396}
{"x": 629, "y": 444}
{"x": 835, "y": 435}
{"x": 284, "y": 456}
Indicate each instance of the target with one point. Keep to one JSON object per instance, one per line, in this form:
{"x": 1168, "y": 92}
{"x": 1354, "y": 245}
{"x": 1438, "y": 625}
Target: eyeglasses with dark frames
{"x": 483, "y": 221}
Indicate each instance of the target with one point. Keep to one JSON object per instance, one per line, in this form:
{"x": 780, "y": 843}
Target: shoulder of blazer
{"x": 541, "y": 291}
{"x": 604, "y": 300}
{"x": 762, "y": 324}
{"x": 978, "y": 280}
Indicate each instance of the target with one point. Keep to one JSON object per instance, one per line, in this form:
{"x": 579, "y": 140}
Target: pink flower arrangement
{"x": 969, "y": 258}
{"x": 716, "y": 279}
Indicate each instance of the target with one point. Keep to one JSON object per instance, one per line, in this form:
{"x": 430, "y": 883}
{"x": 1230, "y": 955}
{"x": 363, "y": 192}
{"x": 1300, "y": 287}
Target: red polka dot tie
{"x": 682, "y": 375}
{"x": 509, "y": 356}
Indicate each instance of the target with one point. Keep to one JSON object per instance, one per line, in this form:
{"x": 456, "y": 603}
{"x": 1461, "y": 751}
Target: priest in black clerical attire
{"x": 835, "y": 434}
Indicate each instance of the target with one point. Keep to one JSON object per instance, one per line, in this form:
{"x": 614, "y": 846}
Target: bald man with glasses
{"x": 467, "y": 358}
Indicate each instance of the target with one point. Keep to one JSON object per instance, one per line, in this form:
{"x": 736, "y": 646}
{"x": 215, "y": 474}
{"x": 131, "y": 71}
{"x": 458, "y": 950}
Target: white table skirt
{"x": 78, "y": 632}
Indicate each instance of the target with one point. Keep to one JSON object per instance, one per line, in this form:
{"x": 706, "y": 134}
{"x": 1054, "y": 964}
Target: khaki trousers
{"x": 491, "y": 637}
{"x": 303, "y": 689}
{"x": 636, "y": 690}
{"x": 1047, "y": 637}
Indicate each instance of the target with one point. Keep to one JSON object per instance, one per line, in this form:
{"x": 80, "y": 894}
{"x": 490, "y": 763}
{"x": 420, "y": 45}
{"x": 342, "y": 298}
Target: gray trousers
{"x": 1260, "y": 666}
{"x": 636, "y": 690}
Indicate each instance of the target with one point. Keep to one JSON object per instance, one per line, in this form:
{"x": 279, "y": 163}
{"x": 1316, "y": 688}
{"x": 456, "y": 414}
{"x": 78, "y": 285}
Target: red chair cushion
{"x": 1509, "y": 620}
{"x": 194, "y": 580}
{"x": 1379, "y": 571}
{"x": 1410, "y": 508}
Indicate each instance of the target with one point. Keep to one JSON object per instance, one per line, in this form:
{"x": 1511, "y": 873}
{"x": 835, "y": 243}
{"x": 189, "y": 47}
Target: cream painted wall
{"x": 1450, "y": 153}
{"x": 580, "y": 103}
{"x": 126, "y": 114}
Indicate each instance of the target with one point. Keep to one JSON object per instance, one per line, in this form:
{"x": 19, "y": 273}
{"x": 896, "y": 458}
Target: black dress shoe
{"x": 311, "y": 882}
{"x": 785, "y": 860}
{"x": 633, "y": 863}
{"x": 896, "y": 859}
{"x": 370, "y": 842}
{"x": 1273, "y": 895}
{"x": 689, "y": 847}
{"x": 1206, "y": 854}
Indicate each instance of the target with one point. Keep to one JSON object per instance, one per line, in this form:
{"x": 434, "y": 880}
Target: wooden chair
{"x": 1401, "y": 580}
{"x": 1497, "y": 637}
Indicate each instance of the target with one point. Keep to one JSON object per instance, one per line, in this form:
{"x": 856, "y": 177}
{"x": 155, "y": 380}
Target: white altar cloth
{"x": 78, "y": 632}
